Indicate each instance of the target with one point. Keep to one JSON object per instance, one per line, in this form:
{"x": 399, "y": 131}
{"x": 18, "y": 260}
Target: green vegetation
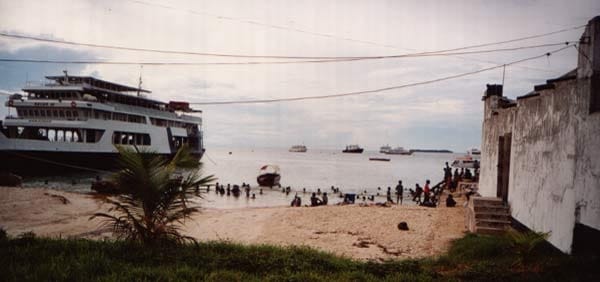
{"x": 154, "y": 197}
{"x": 473, "y": 258}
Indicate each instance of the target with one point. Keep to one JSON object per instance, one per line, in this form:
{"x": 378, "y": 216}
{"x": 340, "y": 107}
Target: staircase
{"x": 487, "y": 215}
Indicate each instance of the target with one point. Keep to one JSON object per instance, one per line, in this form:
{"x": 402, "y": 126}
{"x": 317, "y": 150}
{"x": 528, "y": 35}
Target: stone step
{"x": 488, "y": 201}
{"x": 489, "y": 230}
{"x": 491, "y": 209}
{"x": 493, "y": 215}
{"x": 491, "y": 223}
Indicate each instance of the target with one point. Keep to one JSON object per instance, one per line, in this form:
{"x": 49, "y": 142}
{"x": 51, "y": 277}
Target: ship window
{"x": 76, "y": 136}
{"x": 146, "y": 139}
{"x": 43, "y": 113}
{"x": 60, "y": 135}
{"x": 51, "y": 135}
{"x": 116, "y": 138}
{"x": 55, "y": 113}
{"x": 30, "y": 113}
{"x": 68, "y": 114}
{"x": 75, "y": 113}
{"x": 35, "y": 113}
{"x": 62, "y": 113}
{"x": 68, "y": 136}
{"x": 130, "y": 139}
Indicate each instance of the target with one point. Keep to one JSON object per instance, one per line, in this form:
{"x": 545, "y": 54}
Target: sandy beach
{"x": 364, "y": 233}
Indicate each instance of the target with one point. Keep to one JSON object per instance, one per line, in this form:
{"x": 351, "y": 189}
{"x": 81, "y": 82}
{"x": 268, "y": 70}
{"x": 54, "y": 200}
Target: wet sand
{"x": 365, "y": 233}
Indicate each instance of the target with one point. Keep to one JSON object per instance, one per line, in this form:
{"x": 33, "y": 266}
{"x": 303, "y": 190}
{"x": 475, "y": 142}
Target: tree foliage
{"x": 155, "y": 196}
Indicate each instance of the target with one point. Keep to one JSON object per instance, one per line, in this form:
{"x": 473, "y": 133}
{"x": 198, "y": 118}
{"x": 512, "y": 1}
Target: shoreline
{"x": 358, "y": 232}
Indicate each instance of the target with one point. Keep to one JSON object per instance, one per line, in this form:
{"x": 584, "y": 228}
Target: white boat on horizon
{"x": 398, "y": 151}
{"x": 384, "y": 149}
{"x": 298, "y": 149}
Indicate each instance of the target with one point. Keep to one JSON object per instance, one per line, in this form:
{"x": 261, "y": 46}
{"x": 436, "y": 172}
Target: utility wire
{"x": 366, "y": 92}
{"x": 162, "y": 51}
{"x": 345, "y": 38}
{"x": 281, "y": 27}
{"x": 278, "y": 62}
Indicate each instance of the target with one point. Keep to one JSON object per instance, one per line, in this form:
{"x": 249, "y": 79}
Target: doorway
{"x": 504, "y": 143}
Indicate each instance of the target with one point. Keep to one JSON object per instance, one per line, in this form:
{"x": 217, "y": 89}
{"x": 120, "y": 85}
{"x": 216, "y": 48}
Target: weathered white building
{"x": 541, "y": 152}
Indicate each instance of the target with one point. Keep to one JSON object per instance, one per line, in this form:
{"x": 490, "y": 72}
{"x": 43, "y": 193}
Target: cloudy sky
{"x": 441, "y": 115}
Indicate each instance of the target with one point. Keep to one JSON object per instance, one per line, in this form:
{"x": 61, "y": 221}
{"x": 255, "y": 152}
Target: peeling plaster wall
{"x": 554, "y": 178}
{"x": 587, "y": 176}
{"x": 541, "y": 192}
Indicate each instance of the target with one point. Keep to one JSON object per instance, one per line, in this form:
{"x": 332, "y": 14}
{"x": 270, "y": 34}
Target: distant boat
{"x": 385, "y": 149}
{"x": 353, "y": 149}
{"x": 474, "y": 151}
{"x": 298, "y": 149}
{"x": 465, "y": 162}
{"x": 269, "y": 176}
{"x": 398, "y": 151}
{"x": 379, "y": 159}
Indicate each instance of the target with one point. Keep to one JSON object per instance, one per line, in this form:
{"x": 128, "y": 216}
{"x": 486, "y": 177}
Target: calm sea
{"x": 315, "y": 169}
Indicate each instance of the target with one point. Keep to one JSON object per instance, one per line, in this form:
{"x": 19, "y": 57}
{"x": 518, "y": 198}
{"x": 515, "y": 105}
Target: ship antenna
{"x": 66, "y": 76}
{"x": 140, "y": 82}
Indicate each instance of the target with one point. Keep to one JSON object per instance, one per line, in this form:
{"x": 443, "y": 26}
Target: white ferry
{"x": 385, "y": 149}
{"x": 398, "y": 151}
{"x": 298, "y": 149}
{"x": 75, "y": 122}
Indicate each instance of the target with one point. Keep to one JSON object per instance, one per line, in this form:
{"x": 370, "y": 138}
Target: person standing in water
{"x": 399, "y": 192}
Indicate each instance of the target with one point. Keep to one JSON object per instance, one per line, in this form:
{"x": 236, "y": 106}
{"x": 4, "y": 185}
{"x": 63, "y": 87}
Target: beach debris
{"x": 389, "y": 251}
{"x": 403, "y": 225}
{"x": 363, "y": 243}
{"x": 62, "y": 199}
{"x": 9, "y": 179}
{"x": 105, "y": 187}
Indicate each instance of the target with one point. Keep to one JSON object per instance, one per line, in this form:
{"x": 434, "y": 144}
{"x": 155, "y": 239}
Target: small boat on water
{"x": 465, "y": 162}
{"x": 398, "y": 151}
{"x": 353, "y": 149}
{"x": 474, "y": 152}
{"x": 269, "y": 176}
{"x": 385, "y": 149}
{"x": 298, "y": 149}
{"x": 379, "y": 159}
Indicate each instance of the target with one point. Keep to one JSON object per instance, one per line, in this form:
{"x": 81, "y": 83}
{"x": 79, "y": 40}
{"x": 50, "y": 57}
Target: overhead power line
{"x": 162, "y": 51}
{"x": 366, "y": 92}
{"x": 333, "y": 36}
{"x": 282, "y": 27}
{"x": 342, "y": 59}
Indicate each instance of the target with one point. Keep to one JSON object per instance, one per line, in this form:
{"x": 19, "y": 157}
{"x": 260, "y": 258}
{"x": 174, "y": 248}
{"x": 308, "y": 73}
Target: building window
{"x": 595, "y": 93}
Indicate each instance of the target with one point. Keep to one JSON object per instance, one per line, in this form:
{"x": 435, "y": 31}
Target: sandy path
{"x": 358, "y": 232}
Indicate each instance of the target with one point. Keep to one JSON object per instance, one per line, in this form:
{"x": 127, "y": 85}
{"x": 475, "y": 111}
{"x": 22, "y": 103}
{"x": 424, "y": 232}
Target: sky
{"x": 444, "y": 115}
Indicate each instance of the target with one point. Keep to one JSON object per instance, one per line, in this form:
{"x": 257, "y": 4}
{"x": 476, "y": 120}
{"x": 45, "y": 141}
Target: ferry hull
{"x": 34, "y": 163}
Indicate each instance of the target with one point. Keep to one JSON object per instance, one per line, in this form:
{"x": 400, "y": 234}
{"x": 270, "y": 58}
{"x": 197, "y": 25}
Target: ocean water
{"x": 315, "y": 169}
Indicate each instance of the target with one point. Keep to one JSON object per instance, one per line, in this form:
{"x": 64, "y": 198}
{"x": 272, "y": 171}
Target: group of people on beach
{"x": 234, "y": 190}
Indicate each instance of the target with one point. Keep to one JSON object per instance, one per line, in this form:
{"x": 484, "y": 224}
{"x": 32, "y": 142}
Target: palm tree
{"x": 154, "y": 197}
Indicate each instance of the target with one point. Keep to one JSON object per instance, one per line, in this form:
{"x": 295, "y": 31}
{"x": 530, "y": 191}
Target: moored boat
{"x": 379, "y": 159}
{"x": 269, "y": 176}
{"x": 353, "y": 149}
{"x": 385, "y": 149}
{"x": 298, "y": 149}
{"x": 398, "y": 151}
{"x": 75, "y": 123}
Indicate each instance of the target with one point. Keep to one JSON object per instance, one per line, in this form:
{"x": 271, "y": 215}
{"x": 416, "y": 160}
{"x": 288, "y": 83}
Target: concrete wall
{"x": 554, "y": 178}
{"x": 587, "y": 171}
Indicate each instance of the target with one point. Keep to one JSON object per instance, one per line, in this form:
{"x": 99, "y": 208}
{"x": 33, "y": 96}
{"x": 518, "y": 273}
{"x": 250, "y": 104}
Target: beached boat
{"x": 398, "y": 151}
{"x": 269, "y": 176}
{"x": 379, "y": 159}
{"x": 298, "y": 149}
{"x": 465, "y": 162}
{"x": 385, "y": 149}
{"x": 75, "y": 123}
{"x": 353, "y": 149}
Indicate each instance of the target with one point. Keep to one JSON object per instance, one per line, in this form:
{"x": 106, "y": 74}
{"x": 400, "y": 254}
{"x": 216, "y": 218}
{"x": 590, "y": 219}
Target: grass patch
{"x": 473, "y": 257}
